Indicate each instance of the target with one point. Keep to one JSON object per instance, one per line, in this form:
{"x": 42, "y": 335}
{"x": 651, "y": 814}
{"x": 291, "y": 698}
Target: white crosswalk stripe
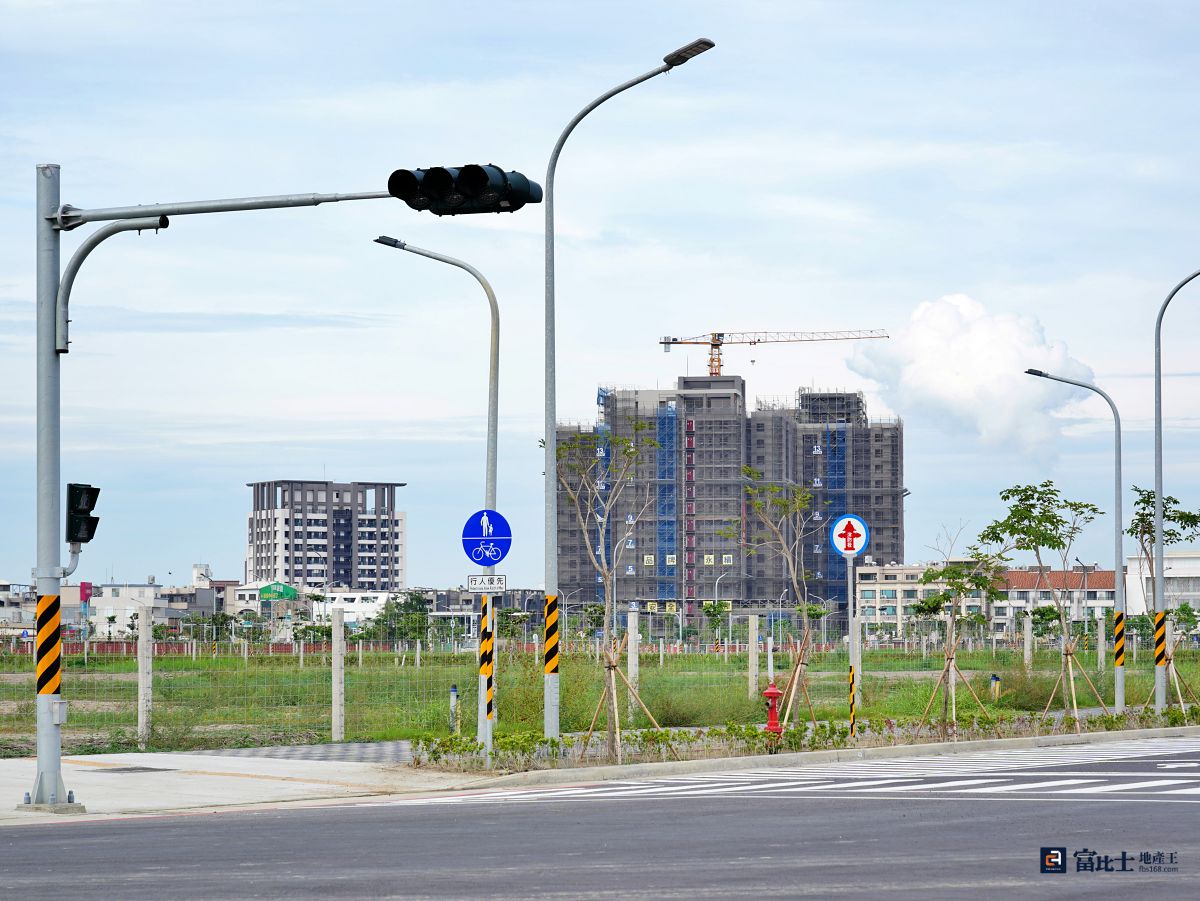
{"x": 1008, "y": 773}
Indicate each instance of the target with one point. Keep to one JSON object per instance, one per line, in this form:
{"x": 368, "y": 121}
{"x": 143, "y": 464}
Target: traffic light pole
{"x": 49, "y": 790}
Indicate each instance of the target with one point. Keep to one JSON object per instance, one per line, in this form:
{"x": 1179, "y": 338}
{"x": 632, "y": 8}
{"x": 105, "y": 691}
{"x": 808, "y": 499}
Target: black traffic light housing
{"x": 81, "y": 525}
{"x": 450, "y": 191}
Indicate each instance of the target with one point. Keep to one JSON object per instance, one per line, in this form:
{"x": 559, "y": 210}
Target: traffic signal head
{"x": 446, "y": 191}
{"x": 81, "y": 525}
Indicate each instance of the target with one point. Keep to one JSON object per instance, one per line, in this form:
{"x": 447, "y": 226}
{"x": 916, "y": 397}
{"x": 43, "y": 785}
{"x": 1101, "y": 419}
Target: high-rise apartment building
{"x": 685, "y": 510}
{"x": 326, "y": 534}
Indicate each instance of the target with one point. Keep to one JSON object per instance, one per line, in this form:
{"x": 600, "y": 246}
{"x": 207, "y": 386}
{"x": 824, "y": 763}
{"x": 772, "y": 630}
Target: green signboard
{"x": 277, "y": 591}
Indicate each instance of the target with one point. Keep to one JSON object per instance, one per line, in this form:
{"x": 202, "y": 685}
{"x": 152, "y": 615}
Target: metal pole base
{"x": 550, "y": 717}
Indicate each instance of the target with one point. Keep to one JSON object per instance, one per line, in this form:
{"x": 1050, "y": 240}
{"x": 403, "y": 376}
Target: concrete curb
{"x": 576, "y": 775}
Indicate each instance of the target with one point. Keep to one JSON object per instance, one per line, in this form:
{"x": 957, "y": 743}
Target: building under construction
{"x": 682, "y": 520}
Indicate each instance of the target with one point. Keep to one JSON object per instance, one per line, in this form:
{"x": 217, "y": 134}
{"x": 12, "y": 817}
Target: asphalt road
{"x": 953, "y": 827}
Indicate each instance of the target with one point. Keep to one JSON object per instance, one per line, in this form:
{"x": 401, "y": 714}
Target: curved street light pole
{"x": 1118, "y": 523}
{"x": 489, "y": 490}
{"x": 1160, "y": 605}
{"x": 550, "y": 719}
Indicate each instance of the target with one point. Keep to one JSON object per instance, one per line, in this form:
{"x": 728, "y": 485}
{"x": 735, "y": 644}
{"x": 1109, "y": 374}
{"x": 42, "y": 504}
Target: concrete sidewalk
{"x": 162, "y": 783}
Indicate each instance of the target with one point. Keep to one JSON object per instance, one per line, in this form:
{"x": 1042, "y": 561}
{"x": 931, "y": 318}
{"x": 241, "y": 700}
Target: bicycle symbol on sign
{"x": 486, "y": 550}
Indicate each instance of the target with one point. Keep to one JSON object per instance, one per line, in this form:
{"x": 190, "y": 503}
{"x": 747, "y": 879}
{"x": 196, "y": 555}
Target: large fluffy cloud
{"x": 963, "y": 366}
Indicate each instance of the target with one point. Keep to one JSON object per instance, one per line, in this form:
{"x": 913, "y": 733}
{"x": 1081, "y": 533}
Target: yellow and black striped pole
{"x": 1160, "y": 638}
{"x": 48, "y": 787}
{"x": 49, "y": 646}
{"x": 550, "y": 712}
{"x": 1118, "y": 639}
{"x": 484, "y": 722}
{"x": 853, "y": 711}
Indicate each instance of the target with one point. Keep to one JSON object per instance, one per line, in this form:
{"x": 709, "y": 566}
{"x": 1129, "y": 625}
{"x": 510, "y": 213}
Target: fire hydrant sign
{"x": 849, "y": 535}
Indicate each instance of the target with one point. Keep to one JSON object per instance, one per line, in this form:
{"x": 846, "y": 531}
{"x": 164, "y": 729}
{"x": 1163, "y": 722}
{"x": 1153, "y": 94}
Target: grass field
{"x": 228, "y": 700}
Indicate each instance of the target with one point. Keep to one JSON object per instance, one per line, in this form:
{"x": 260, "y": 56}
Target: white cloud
{"x": 964, "y": 367}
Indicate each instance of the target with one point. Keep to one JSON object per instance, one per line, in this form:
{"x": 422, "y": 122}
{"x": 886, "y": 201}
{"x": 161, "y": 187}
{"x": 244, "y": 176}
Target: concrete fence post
{"x": 245, "y": 651}
{"x": 1101, "y": 639}
{"x": 418, "y": 657}
{"x": 1027, "y": 626}
{"x": 302, "y": 655}
{"x": 145, "y": 676}
{"x": 752, "y": 650}
{"x": 661, "y": 651}
{"x": 360, "y": 653}
{"x": 339, "y": 675}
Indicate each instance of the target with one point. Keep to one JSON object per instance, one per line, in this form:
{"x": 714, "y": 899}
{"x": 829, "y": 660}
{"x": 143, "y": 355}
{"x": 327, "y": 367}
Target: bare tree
{"x": 595, "y": 469}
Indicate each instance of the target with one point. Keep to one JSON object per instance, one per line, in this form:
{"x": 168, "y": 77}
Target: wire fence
{"x": 232, "y": 694}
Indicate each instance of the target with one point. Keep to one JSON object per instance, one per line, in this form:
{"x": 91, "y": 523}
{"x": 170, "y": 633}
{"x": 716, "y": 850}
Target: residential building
{"x": 886, "y": 595}
{"x": 326, "y": 534}
{"x": 1181, "y": 582}
{"x": 689, "y": 493}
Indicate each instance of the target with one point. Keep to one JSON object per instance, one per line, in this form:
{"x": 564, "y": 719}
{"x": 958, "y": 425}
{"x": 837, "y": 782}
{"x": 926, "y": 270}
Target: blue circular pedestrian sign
{"x": 849, "y": 535}
{"x": 486, "y": 537}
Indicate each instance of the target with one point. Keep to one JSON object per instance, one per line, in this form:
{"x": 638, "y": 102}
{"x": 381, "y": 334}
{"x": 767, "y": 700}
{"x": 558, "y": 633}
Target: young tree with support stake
{"x": 1040, "y": 520}
{"x": 594, "y": 470}
{"x": 975, "y": 575}
{"x": 780, "y": 523}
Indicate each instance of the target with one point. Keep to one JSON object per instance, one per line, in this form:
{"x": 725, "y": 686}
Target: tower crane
{"x": 716, "y": 340}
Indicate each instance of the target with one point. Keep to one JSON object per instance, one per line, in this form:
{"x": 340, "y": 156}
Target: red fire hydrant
{"x": 773, "y": 694}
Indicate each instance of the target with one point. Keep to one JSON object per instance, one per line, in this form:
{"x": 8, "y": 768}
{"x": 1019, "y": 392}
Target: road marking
{"x": 838, "y": 786}
{"x": 1028, "y": 786}
{"x": 1176, "y": 766}
{"x": 1125, "y": 786}
{"x": 937, "y": 786}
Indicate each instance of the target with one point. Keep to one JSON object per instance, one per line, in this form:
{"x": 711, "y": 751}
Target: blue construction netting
{"x": 839, "y": 504}
{"x": 666, "y": 538}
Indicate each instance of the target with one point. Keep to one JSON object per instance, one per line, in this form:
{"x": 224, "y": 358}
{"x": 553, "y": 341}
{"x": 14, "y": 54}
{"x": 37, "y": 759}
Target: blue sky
{"x": 828, "y": 165}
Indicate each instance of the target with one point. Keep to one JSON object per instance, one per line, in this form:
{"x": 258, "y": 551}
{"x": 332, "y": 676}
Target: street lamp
{"x": 1118, "y": 535}
{"x": 489, "y": 491}
{"x": 671, "y": 60}
{"x": 1160, "y": 604}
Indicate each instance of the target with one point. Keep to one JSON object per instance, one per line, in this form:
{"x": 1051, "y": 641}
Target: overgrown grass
{"x": 230, "y": 701}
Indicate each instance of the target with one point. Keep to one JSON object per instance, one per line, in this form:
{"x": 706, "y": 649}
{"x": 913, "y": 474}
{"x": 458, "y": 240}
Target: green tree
{"x": 1179, "y": 526}
{"x": 779, "y": 522}
{"x": 403, "y": 617}
{"x": 812, "y": 611}
{"x": 1045, "y": 620}
{"x": 713, "y": 612}
{"x": 593, "y": 617}
{"x": 1184, "y": 618}
{"x": 1043, "y": 522}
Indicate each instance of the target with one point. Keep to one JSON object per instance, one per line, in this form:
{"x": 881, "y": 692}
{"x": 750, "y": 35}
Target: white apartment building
{"x": 1181, "y": 582}
{"x": 329, "y": 534}
{"x": 886, "y": 595}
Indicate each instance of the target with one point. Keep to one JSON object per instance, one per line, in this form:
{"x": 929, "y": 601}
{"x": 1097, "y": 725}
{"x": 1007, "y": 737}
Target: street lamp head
{"x": 1037, "y": 372}
{"x": 389, "y": 242}
{"x": 686, "y": 52}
